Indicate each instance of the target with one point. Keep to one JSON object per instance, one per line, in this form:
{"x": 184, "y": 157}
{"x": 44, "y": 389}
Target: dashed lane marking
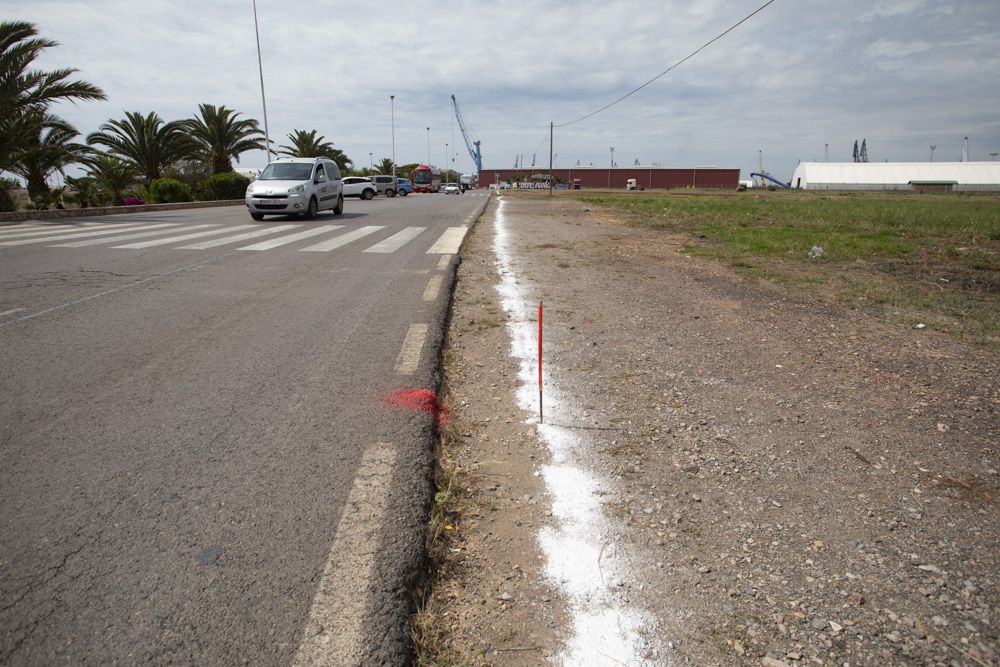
{"x": 333, "y": 631}
{"x": 409, "y": 357}
{"x": 433, "y": 288}
{"x": 443, "y": 262}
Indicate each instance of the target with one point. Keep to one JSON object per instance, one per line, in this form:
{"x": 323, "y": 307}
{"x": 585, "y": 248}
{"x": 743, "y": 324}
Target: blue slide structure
{"x": 771, "y": 178}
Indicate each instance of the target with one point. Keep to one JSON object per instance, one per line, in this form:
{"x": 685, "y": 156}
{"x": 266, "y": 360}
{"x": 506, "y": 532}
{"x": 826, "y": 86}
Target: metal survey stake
{"x": 541, "y": 413}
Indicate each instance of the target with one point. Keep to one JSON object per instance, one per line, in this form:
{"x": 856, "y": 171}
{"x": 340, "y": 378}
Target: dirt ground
{"x": 785, "y": 481}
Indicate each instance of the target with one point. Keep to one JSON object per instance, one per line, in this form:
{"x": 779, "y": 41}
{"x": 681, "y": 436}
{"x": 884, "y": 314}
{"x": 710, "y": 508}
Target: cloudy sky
{"x": 801, "y": 74}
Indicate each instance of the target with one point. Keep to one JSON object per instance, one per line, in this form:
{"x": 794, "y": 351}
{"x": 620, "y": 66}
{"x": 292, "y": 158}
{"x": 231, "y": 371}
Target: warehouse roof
{"x": 896, "y": 173}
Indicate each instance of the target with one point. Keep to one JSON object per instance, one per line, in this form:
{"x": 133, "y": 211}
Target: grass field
{"x": 920, "y": 258}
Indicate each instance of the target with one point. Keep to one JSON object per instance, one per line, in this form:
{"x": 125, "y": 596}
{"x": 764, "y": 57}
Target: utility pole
{"x": 371, "y": 162}
{"x": 551, "y": 184}
{"x": 612, "y": 166}
{"x": 428, "y": 146}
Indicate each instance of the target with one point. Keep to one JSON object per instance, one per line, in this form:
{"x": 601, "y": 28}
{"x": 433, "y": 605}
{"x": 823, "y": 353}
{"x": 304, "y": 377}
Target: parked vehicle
{"x": 633, "y": 184}
{"x": 386, "y": 185}
{"x": 467, "y": 181}
{"x": 359, "y": 186}
{"x": 426, "y": 178}
{"x": 405, "y": 186}
{"x": 451, "y": 189}
{"x": 296, "y": 186}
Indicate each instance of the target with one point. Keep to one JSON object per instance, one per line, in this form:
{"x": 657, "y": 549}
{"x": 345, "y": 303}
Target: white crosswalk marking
{"x": 182, "y": 237}
{"x": 291, "y": 238}
{"x": 76, "y": 235}
{"x": 342, "y": 240}
{"x": 409, "y": 356}
{"x": 204, "y": 245}
{"x": 124, "y": 237}
{"x": 450, "y": 241}
{"x": 19, "y": 231}
{"x": 397, "y": 240}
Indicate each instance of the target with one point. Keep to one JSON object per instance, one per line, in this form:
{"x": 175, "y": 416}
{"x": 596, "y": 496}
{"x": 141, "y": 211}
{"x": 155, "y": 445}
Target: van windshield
{"x": 286, "y": 171}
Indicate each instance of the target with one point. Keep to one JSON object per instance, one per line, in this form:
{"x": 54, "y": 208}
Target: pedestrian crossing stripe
{"x": 124, "y": 237}
{"x": 79, "y": 234}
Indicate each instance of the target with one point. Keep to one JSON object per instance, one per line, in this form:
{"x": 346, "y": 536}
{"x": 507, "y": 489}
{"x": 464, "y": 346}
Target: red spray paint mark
{"x": 420, "y": 400}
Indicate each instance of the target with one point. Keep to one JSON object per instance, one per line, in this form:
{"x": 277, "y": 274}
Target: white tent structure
{"x": 960, "y": 176}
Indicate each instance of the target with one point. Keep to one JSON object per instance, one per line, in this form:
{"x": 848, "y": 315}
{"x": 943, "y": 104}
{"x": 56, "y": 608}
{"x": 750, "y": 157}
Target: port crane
{"x": 477, "y": 157}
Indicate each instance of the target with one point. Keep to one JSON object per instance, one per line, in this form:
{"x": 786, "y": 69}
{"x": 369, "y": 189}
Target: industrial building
{"x": 912, "y": 176}
{"x": 598, "y": 177}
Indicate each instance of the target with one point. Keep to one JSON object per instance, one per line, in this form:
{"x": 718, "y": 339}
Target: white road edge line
{"x": 11, "y": 311}
{"x": 444, "y": 262}
{"x": 433, "y": 287}
{"x": 332, "y": 634}
{"x": 409, "y": 357}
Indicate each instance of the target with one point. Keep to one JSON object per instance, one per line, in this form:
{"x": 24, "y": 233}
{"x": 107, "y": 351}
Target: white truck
{"x": 466, "y": 181}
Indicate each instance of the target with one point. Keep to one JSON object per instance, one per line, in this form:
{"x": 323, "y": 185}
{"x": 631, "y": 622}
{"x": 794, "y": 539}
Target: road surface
{"x": 200, "y": 461}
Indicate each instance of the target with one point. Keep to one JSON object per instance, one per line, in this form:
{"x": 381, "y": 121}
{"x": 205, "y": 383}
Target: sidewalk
{"x": 726, "y": 475}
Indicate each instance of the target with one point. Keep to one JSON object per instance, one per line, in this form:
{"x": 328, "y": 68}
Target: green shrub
{"x": 168, "y": 191}
{"x": 227, "y": 185}
{"x": 7, "y": 201}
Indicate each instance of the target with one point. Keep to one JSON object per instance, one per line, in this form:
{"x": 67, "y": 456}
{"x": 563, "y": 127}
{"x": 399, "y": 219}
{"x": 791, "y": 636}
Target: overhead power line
{"x": 675, "y": 65}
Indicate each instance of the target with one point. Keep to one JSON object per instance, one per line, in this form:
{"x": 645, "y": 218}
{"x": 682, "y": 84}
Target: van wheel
{"x": 339, "y": 208}
{"x": 390, "y": 193}
{"x": 402, "y": 193}
{"x": 368, "y": 194}
{"x": 257, "y": 216}
{"x": 311, "y": 211}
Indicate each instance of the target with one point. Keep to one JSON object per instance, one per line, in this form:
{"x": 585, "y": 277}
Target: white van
{"x": 296, "y": 186}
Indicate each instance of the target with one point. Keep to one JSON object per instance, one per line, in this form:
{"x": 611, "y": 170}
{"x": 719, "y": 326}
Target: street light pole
{"x": 446, "y": 158}
{"x": 392, "y": 120}
{"x": 933, "y": 146}
{"x": 263, "y": 100}
{"x": 428, "y": 146}
{"x": 371, "y": 162}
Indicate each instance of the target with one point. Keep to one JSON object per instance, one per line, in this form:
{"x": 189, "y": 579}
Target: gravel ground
{"x": 786, "y": 481}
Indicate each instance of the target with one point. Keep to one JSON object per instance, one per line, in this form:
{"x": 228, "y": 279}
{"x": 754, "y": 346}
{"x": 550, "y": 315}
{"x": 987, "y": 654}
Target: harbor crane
{"x": 474, "y": 153}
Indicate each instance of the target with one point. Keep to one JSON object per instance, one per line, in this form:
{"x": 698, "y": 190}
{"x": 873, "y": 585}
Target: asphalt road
{"x": 199, "y": 461}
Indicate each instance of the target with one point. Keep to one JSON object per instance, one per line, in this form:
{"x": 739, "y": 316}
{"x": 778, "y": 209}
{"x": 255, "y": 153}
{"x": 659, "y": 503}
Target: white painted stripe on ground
{"x": 205, "y": 245}
{"x": 38, "y": 230}
{"x": 122, "y": 237}
{"x": 81, "y": 234}
{"x": 342, "y": 240}
{"x": 443, "y": 262}
{"x": 450, "y": 241}
{"x": 291, "y": 238}
{"x": 397, "y": 240}
{"x": 433, "y": 287}
{"x": 11, "y": 311}
{"x": 333, "y": 631}
{"x": 409, "y": 357}
{"x": 182, "y": 237}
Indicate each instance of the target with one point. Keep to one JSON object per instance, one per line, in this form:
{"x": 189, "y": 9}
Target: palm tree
{"x": 385, "y": 166}
{"x": 112, "y": 173}
{"x": 146, "y": 142}
{"x": 223, "y": 136}
{"x": 24, "y": 90}
{"x": 306, "y": 144}
{"x": 47, "y": 147}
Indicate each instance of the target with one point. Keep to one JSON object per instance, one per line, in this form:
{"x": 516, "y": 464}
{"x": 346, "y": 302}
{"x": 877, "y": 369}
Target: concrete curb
{"x": 55, "y": 214}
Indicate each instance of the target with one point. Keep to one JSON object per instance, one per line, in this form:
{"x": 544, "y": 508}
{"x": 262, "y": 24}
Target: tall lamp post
{"x": 263, "y": 100}
{"x": 446, "y": 157}
{"x": 428, "y": 146}
{"x": 371, "y": 162}
{"x": 933, "y": 146}
{"x": 612, "y": 165}
{"x": 392, "y": 121}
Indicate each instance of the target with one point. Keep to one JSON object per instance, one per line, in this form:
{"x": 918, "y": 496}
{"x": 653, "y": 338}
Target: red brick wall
{"x": 646, "y": 178}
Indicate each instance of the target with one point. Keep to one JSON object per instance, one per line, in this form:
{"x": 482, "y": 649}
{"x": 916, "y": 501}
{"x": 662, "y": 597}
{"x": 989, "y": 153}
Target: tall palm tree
{"x": 384, "y": 167}
{"x": 146, "y": 142}
{"x": 24, "y": 90}
{"x": 47, "y": 147}
{"x": 112, "y": 174}
{"x": 307, "y": 144}
{"x": 222, "y": 136}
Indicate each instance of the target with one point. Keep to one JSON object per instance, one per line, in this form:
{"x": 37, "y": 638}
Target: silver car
{"x": 386, "y": 185}
{"x": 296, "y": 186}
{"x": 451, "y": 189}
